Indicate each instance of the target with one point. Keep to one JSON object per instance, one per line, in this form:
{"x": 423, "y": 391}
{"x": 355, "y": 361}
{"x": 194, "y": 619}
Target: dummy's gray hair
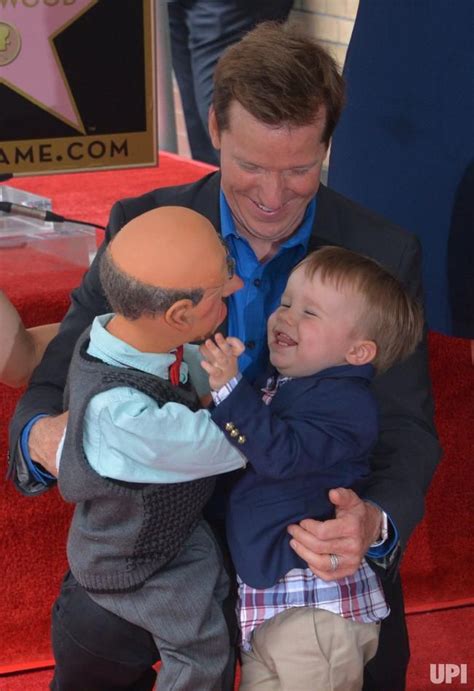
{"x": 132, "y": 298}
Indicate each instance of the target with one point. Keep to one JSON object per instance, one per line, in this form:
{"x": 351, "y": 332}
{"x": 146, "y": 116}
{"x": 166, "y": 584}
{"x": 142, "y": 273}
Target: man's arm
{"x": 408, "y": 450}
{"x": 45, "y": 392}
{"x": 44, "y": 395}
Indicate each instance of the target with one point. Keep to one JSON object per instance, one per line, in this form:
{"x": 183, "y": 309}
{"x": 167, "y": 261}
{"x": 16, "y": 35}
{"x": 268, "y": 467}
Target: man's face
{"x": 269, "y": 174}
{"x": 314, "y": 327}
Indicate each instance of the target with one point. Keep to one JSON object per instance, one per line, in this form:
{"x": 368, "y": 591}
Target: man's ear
{"x": 361, "y": 353}
{"x": 214, "y": 128}
{"x": 178, "y": 316}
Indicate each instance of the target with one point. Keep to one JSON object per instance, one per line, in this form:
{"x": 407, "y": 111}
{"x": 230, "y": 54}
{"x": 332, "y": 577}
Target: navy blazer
{"x": 316, "y": 434}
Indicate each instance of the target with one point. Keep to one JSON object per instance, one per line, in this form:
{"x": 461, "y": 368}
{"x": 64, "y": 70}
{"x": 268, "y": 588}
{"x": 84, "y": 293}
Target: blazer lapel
{"x": 207, "y": 203}
{"x": 326, "y": 228}
{"x": 206, "y": 200}
{"x": 287, "y": 393}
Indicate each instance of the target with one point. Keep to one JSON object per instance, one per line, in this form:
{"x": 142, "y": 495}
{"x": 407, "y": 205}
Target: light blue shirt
{"x": 128, "y": 436}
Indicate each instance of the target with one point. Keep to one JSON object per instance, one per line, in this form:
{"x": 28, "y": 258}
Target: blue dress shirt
{"x": 264, "y": 283}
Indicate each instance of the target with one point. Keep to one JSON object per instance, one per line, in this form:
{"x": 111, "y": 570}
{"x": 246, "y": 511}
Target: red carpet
{"x": 437, "y": 638}
{"x": 439, "y": 562}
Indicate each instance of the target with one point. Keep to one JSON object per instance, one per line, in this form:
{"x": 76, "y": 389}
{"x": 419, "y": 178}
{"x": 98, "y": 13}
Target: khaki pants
{"x": 308, "y": 649}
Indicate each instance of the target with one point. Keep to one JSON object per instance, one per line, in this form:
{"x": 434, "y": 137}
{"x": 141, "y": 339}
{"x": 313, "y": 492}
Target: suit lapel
{"x": 207, "y": 203}
{"x": 326, "y": 228}
{"x": 206, "y": 200}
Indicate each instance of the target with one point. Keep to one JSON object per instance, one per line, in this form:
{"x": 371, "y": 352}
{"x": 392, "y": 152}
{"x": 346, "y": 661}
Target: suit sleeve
{"x": 407, "y": 453}
{"x": 44, "y": 394}
{"x": 45, "y": 391}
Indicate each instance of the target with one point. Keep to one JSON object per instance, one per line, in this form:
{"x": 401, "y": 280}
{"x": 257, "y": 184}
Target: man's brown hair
{"x": 390, "y": 316}
{"x": 280, "y": 76}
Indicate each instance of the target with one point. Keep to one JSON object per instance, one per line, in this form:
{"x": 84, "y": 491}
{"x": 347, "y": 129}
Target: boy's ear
{"x": 178, "y": 316}
{"x": 361, "y": 353}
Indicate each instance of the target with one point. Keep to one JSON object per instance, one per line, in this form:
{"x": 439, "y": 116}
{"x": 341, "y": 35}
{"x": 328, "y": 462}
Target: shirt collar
{"x": 301, "y": 237}
{"x": 114, "y": 351}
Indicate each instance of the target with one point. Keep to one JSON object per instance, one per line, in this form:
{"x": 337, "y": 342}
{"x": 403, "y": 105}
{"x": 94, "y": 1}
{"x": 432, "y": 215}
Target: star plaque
{"x": 76, "y": 84}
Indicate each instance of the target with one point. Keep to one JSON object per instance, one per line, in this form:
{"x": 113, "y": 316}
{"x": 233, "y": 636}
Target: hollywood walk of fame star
{"x": 35, "y": 72}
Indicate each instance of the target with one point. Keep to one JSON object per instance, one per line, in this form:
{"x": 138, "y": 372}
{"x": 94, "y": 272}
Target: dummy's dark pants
{"x": 97, "y": 651}
{"x": 200, "y": 30}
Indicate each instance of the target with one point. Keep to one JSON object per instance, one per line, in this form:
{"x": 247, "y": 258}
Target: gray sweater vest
{"x": 121, "y": 532}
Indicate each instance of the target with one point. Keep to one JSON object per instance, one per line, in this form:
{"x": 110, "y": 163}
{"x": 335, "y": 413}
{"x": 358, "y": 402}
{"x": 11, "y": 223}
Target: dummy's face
{"x": 314, "y": 327}
{"x": 269, "y": 174}
{"x": 211, "y": 310}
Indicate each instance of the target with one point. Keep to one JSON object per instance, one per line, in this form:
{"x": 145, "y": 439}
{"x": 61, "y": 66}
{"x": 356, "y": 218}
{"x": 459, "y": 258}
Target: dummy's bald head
{"x": 171, "y": 247}
{"x": 165, "y": 255}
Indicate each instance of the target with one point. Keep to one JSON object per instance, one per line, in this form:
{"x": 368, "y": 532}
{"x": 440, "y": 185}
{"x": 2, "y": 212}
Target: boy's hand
{"x": 220, "y": 359}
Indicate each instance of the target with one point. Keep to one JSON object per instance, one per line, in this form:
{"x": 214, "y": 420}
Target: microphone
{"x": 41, "y": 215}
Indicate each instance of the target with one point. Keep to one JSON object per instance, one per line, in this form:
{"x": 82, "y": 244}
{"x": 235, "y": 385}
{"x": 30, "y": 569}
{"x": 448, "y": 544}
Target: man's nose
{"x": 271, "y": 191}
{"x": 233, "y": 285}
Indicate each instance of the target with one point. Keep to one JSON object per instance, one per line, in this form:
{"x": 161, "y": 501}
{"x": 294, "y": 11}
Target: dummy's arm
{"x": 174, "y": 444}
{"x": 20, "y": 349}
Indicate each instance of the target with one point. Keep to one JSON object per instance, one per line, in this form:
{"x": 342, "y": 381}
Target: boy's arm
{"x": 316, "y": 432}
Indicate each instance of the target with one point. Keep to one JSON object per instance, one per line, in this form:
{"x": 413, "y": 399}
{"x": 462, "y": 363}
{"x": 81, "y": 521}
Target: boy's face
{"x": 314, "y": 327}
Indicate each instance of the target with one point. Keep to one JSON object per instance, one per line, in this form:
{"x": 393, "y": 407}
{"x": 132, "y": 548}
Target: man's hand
{"x": 44, "y": 439}
{"x": 348, "y": 536}
{"x": 220, "y": 359}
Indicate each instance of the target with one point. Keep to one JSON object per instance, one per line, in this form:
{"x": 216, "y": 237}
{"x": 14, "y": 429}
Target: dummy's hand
{"x": 44, "y": 439}
{"x": 220, "y": 359}
{"x": 348, "y": 536}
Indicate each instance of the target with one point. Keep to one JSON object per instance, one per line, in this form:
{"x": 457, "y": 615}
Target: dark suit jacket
{"x": 406, "y": 456}
{"x": 317, "y": 433}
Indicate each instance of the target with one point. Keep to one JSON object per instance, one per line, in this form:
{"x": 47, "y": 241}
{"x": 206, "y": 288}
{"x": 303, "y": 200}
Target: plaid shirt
{"x": 359, "y": 597}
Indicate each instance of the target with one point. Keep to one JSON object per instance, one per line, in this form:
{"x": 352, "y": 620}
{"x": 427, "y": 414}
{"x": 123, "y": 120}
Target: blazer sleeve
{"x": 407, "y": 453}
{"x": 329, "y": 429}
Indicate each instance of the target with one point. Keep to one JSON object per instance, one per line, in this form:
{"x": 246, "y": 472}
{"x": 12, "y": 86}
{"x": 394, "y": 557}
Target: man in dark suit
{"x": 277, "y": 99}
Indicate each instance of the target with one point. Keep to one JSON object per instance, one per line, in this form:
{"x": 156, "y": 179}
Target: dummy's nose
{"x": 233, "y": 285}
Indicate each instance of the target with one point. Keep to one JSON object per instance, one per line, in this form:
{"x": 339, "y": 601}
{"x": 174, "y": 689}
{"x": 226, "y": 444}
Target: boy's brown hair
{"x": 280, "y": 76}
{"x": 390, "y": 316}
